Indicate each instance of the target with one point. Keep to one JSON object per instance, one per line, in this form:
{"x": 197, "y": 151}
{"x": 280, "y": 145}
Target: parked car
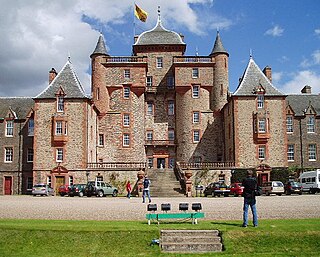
{"x": 216, "y": 189}
{"x": 63, "y": 190}
{"x": 77, "y": 190}
{"x": 292, "y": 187}
{"x": 100, "y": 188}
{"x": 236, "y": 189}
{"x": 310, "y": 181}
{"x": 272, "y": 187}
{"x": 42, "y": 189}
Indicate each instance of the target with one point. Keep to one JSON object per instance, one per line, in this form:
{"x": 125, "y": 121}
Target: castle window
{"x": 126, "y": 92}
{"x": 126, "y": 140}
{"x": 150, "y": 108}
{"x": 289, "y": 124}
{"x": 290, "y": 153}
{"x": 30, "y": 155}
{"x": 101, "y": 140}
{"x": 262, "y": 152}
{"x": 311, "y": 124}
{"x": 149, "y": 81}
{"x": 195, "y": 91}
{"x": 127, "y": 74}
{"x": 8, "y": 154}
{"x": 58, "y": 127}
{"x": 196, "y": 136}
{"x": 60, "y": 103}
{"x": 170, "y": 82}
{"x": 260, "y": 101}
{"x": 9, "y": 128}
{"x": 126, "y": 120}
{"x": 149, "y": 135}
{"x": 171, "y": 163}
{"x": 195, "y": 73}
{"x": 49, "y": 181}
{"x": 150, "y": 162}
{"x": 159, "y": 62}
{"x": 262, "y": 125}
{"x": 196, "y": 117}
{"x": 31, "y": 127}
{"x": 312, "y": 152}
{"x": 170, "y": 107}
{"x": 171, "y": 134}
{"x": 59, "y": 154}
{"x": 71, "y": 180}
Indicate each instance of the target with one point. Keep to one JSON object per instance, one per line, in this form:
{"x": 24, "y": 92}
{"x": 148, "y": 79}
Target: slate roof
{"x": 299, "y": 103}
{"x": 100, "y": 47}
{"x": 254, "y": 77}
{"x": 20, "y": 106}
{"x": 68, "y": 81}
{"x": 218, "y": 46}
{"x": 159, "y": 36}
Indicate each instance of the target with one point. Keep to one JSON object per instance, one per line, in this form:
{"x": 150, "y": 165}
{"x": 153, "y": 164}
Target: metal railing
{"x": 121, "y": 59}
{"x": 203, "y": 165}
{"x": 116, "y": 165}
{"x": 159, "y": 142}
{"x": 188, "y": 59}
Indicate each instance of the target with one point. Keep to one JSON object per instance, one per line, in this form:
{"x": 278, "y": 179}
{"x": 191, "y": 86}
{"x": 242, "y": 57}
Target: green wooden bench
{"x": 181, "y": 215}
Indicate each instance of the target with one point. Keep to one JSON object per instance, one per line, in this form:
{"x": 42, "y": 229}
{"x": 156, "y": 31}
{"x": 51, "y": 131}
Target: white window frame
{"x": 260, "y": 101}
{"x": 30, "y": 155}
{"x": 196, "y": 117}
{"x": 59, "y": 130}
{"x": 262, "y": 152}
{"x": 159, "y": 62}
{"x": 59, "y": 155}
{"x": 312, "y": 152}
{"x": 311, "y": 124}
{"x": 150, "y": 109}
{"x": 170, "y": 107}
{"x": 195, "y": 73}
{"x": 49, "y": 181}
{"x": 289, "y": 123}
{"x": 149, "y": 135}
{"x": 290, "y": 153}
{"x": 127, "y": 73}
{"x": 70, "y": 180}
{"x": 262, "y": 126}
{"x": 9, "y": 128}
{"x": 126, "y": 119}
{"x": 126, "y": 92}
{"x": 195, "y": 91}
{"x": 149, "y": 81}
{"x": 8, "y": 154}
{"x": 60, "y": 103}
{"x": 196, "y": 136}
{"x": 126, "y": 140}
{"x": 101, "y": 139}
{"x": 171, "y": 134}
{"x": 31, "y": 127}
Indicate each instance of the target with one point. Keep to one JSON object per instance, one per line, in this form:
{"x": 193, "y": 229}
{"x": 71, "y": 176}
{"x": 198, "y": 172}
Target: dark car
{"x": 292, "y": 187}
{"x": 236, "y": 189}
{"x": 216, "y": 189}
{"x": 77, "y": 190}
{"x": 63, "y": 190}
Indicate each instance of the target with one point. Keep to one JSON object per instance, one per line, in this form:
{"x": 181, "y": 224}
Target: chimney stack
{"x": 52, "y": 75}
{"x": 267, "y": 71}
{"x": 306, "y": 90}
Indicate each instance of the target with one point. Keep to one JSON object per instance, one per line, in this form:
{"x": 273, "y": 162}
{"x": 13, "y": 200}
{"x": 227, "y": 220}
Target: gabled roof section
{"x": 254, "y": 79}
{"x": 218, "y": 47}
{"x": 19, "y": 106}
{"x": 100, "y": 47}
{"x": 301, "y": 103}
{"x": 67, "y": 81}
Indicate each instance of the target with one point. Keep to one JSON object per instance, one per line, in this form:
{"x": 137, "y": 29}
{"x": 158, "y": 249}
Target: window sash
{"x": 126, "y": 92}
{"x": 31, "y": 127}
{"x": 171, "y": 135}
{"x": 170, "y": 107}
{"x": 150, "y": 108}
{"x": 262, "y": 125}
{"x": 149, "y": 135}
{"x": 149, "y": 81}
{"x": 262, "y": 152}
{"x": 127, "y": 73}
{"x": 58, "y": 127}
{"x": 312, "y": 152}
{"x": 159, "y": 62}
{"x": 260, "y": 101}
{"x": 101, "y": 139}
{"x": 170, "y": 82}
{"x": 289, "y": 124}
{"x": 60, "y": 104}
{"x": 196, "y": 117}
{"x": 195, "y": 73}
{"x": 311, "y": 125}
{"x": 290, "y": 153}
{"x": 126, "y": 140}
{"x": 9, "y": 128}
{"x": 59, "y": 157}
{"x": 196, "y": 136}
{"x": 195, "y": 91}
{"x": 8, "y": 154}
{"x": 30, "y": 155}
{"x": 126, "y": 120}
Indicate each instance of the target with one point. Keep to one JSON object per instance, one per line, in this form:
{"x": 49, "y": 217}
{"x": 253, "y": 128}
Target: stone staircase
{"x": 190, "y": 241}
{"x": 164, "y": 183}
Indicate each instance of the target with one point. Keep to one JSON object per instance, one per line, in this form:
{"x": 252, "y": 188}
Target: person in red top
{"x": 129, "y": 189}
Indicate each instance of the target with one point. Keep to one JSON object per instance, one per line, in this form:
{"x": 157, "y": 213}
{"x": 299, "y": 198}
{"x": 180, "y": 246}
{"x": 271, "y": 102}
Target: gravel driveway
{"x": 121, "y": 208}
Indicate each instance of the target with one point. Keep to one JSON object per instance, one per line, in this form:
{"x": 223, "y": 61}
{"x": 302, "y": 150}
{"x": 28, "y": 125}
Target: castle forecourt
{"x": 121, "y": 208}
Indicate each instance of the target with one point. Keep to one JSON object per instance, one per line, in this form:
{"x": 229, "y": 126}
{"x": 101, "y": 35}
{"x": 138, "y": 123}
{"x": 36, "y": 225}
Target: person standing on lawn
{"x": 146, "y": 189}
{"x": 129, "y": 189}
{"x": 249, "y": 194}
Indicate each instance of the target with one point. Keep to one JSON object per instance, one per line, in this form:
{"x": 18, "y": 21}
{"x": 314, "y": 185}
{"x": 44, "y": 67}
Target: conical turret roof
{"x": 218, "y": 46}
{"x": 100, "y": 47}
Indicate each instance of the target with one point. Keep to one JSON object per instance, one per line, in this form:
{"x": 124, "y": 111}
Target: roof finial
{"x": 69, "y": 57}
{"x": 159, "y": 16}
{"x": 197, "y": 53}
{"x": 251, "y": 55}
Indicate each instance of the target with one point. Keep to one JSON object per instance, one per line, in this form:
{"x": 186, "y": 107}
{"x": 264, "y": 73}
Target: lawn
{"x": 132, "y": 238}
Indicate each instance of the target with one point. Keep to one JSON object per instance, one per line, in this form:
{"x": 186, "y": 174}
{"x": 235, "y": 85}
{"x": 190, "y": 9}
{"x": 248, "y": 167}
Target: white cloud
{"x": 317, "y": 32}
{"x": 38, "y": 35}
{"x": 299, "y": 80}
{"x": 276, "y": 77}
{"x": 312, "y": 61}
{"x": 276, "y": 31}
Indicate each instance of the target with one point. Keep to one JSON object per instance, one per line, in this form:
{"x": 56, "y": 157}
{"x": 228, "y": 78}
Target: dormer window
{"x": 260, "y": 101}
{"x": 9, "y": 128}
{"x": 159, "y": 62}
{"x": 60, "y": 103}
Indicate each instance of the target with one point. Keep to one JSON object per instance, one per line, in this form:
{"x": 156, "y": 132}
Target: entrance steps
{"x": 164, "y": 183}
{"x": 190, "y": 241}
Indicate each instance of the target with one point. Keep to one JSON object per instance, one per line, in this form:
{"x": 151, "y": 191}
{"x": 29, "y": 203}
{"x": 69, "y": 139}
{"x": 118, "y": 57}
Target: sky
{"x": 39, "y": 35}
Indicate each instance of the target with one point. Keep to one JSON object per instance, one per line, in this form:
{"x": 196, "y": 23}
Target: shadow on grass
{"x": 231, "y": 224}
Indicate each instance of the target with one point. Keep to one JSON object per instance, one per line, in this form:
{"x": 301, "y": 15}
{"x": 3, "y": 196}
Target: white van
{"x": 310, "y": 181}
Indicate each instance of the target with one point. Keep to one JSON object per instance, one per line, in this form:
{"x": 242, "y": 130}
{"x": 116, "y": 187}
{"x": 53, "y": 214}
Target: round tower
{"x": 100, "y": 96}
{"x": 221, "y": 78}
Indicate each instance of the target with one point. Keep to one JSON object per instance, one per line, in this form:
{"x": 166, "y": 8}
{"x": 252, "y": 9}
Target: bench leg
{"x": 149, "y": 221}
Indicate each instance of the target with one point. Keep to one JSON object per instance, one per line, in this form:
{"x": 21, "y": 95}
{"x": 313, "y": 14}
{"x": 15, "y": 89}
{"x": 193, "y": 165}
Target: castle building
{"x": 150, "y": 111}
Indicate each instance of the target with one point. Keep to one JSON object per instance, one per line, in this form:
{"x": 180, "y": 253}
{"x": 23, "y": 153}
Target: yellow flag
{"x": 140, "y": 14}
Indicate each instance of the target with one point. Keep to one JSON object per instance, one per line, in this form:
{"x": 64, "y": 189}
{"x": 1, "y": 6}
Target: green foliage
{"x": 132, "y": 238}
{"x": 280, "y": 174}
{"x": 238, "y": 175}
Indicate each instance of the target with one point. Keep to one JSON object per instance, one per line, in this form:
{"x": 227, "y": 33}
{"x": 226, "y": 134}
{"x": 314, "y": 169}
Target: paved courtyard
{"x": 121, "y": 208}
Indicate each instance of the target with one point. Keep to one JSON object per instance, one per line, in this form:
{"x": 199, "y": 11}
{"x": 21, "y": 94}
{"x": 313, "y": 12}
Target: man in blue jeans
{"x": 249, "y": 194}
{"x": 146, "y": 189}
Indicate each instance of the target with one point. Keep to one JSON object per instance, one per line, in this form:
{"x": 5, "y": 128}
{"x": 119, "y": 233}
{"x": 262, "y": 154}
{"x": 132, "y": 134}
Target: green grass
{"x": 132, "y": 238}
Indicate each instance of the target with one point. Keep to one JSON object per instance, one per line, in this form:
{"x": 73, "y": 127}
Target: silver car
{"x": 42, "y": 189}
